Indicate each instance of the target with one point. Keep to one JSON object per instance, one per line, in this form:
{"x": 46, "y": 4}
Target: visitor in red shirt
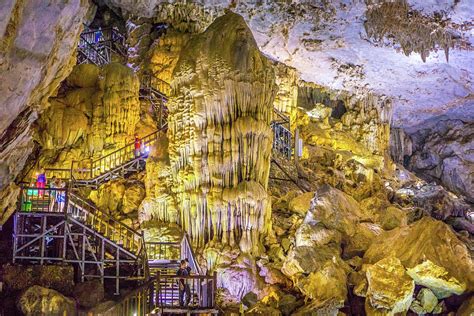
{"x": 138, "y": 145}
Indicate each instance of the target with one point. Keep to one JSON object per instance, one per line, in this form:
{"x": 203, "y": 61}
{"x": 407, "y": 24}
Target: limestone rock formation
{"x": 120, "y": 198}
{"x": 425, "y": 302}
{"x": 437, "y": 279}
{"x": 36, "y": 54}
{"x": 389, "y": 287}
{"x": 20, "y": 277}
{"x": 300, "y": 204}
{"x": 441, "y": 151}
{"x": 96, "y": 112}
{"x": 219, "y": 135}
{"x": 35, "y": 42}
{"x": 89, "y": 293}
{"x": 38, "y": 300}
{"x": 425, "y": 240}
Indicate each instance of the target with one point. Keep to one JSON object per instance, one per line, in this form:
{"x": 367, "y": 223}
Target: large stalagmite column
{"x": 220, "y": 137}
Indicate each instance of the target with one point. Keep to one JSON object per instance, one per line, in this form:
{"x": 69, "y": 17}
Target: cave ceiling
{"x": 357, "y": 46}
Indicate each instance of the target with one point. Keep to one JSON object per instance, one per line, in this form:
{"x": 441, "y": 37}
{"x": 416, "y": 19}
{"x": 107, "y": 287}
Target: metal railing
{"x": 139, "y": 302}
{"x": 162, "y": 250}
{"x": 87, "y": 169}
{"x": 201, "y": 287}
{"x": 97, "y": 46}
{"x": 105, "y": 224}
{"x": 35, "y": 199}
{"x": 59, "y": 173}
{"x": 156, "y": 98}
{"x": 282, "y": 140}
{"x": 188, "y": 253}
{"x": 162, "y": 293}
{"x": 41, "y": 200}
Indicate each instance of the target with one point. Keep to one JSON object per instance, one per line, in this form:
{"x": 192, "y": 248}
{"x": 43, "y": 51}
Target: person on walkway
{"x": 138, "y": 145}
{"x": 60, "y": 195}
{"x": 184, "y": 288}
{"x": 98, "y": 35}
{"x": 41, "y": 182}
{"x": 187, "y": 266}
{"x": 52, "y": 193}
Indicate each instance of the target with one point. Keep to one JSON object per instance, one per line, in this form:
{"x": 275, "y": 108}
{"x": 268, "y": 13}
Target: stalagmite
{"x": 219, "y": 135}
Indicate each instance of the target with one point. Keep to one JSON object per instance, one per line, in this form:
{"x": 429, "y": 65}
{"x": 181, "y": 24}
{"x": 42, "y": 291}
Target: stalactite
{"x": 414, "y": 32}
{"x": 220, "y": 137}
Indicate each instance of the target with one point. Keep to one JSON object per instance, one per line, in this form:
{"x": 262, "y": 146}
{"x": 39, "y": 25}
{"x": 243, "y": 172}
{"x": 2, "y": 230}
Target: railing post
{"x": 158, "y": 299}
{"x": 66, "y": 200}
{"x": 214, "y": 289}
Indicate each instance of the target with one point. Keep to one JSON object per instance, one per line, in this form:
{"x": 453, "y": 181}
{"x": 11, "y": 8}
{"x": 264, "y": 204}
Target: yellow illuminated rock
{"x": 389, "y": 287}
{"x": 219, "y": 135}
{"x": 301, "y": 203}
{"x": 427, "y": 239}
{"x": 437, "y": 279}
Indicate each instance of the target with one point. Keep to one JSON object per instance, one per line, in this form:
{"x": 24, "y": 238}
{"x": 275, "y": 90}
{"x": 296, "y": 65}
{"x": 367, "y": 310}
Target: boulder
{"x": 307, "y": 259}
{"x": 38, "y": 300}
{"x": 327, "y": 286}
{"x": 19, "y": 277}
{"x": 89, "y": 293}
{"x": 364, "y": 234}
{"x": 425, "y": 302}
{"x": 391, "y": 217}
{"x": 272, "y": 275}
{"x": 316, "y": 308}
{"x": 239, "y": 277}
{"x": 310, "y": 234}
{"x": 437, "y": 279}
{"x": 426, "y": 239}
{"x": 336, "y": 211}
{"x": 389, "y": 287}
{"x": 250, "y": 299}
{"x": 301, "y": 203}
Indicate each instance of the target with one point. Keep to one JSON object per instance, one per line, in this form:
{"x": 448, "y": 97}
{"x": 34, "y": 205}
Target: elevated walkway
{"x": 47, "y": 232}
{"x": 118, "y": 164}
{"x": 99, "y": 46}
{"x": 76, "y": 232}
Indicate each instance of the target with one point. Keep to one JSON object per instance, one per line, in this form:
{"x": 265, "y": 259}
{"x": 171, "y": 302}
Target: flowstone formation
{"x": 219, "y": 135}
{"x": 95, "y": 112}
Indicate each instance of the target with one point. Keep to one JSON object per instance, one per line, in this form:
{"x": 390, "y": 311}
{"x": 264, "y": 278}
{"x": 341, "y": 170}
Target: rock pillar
{"x": 220, "y": 138}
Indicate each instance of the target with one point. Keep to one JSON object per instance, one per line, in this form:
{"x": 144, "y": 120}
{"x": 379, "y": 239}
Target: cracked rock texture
{"x": 442, "y": 151}
{"x": 37, "y": 44}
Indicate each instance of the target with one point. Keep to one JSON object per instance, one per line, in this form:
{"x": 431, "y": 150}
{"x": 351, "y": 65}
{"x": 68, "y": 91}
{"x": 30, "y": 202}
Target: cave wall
{"x": 440, "y": 151}
{"x": 37, "y": 44}
{"x": 367, "y": 115}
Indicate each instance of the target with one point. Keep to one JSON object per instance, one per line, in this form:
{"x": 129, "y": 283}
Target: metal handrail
{"x": 91, "y": 47}
{"x": 106, "y": 225}
{"x": 188, "y": 253}
{"x": 159, "y": 250}
{"x": 203, "y": 291}
{"x": 141, "y": 301}
{"x": 82, "y": 210}
{"x": 109, "y": 218}
{"x": 91, "y": 169}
